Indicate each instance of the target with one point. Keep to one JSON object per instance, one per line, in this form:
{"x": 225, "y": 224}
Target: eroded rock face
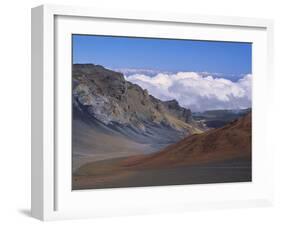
{"x": 107, "y": 97}
{"x": 178, "y": 111}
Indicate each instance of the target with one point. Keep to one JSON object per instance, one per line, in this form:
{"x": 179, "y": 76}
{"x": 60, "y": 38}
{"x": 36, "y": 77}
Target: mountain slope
{"x": 216, "y": 156}
{"x": 232, "y": 141}
{"x": 105, "y": 96}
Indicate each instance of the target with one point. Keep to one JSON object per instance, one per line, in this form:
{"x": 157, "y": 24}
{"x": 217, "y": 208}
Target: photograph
{"x": 152, "y": 111}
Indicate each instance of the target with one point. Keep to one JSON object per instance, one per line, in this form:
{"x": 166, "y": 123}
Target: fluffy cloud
{"x": 196, "y": 91}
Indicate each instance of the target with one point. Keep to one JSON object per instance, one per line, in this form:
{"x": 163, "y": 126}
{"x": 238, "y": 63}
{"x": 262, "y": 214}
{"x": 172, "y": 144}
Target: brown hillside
{"x": 229, "y": 142}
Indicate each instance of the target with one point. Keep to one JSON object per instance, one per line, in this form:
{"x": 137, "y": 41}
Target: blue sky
{"x": 226, "y": 58}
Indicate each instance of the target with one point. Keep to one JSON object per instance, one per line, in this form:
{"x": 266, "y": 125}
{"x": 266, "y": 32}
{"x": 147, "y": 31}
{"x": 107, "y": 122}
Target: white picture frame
{"x": 52, "y": 198}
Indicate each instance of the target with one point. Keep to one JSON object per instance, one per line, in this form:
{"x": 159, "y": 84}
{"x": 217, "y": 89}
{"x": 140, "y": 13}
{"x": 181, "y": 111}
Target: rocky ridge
{"x": 107, "y": 98}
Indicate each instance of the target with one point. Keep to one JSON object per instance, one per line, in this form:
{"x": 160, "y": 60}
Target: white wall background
{"x": 15, "y": 112}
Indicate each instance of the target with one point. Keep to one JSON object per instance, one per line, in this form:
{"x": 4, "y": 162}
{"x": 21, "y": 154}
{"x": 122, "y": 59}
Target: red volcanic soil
{"x": 229, "y": 142}
{"x": 218, "y": 155}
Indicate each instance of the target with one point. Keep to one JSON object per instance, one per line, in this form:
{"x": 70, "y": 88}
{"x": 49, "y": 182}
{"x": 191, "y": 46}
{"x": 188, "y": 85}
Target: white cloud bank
{"x": 196, "y": 91}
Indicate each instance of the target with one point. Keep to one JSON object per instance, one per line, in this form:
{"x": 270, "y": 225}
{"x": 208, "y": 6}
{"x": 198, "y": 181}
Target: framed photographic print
{"x": 137, "y": 112}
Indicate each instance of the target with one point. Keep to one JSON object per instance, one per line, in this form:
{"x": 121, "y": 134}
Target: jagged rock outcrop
{"x": 178, "y": 111}
{"x": 104, "y": 95}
